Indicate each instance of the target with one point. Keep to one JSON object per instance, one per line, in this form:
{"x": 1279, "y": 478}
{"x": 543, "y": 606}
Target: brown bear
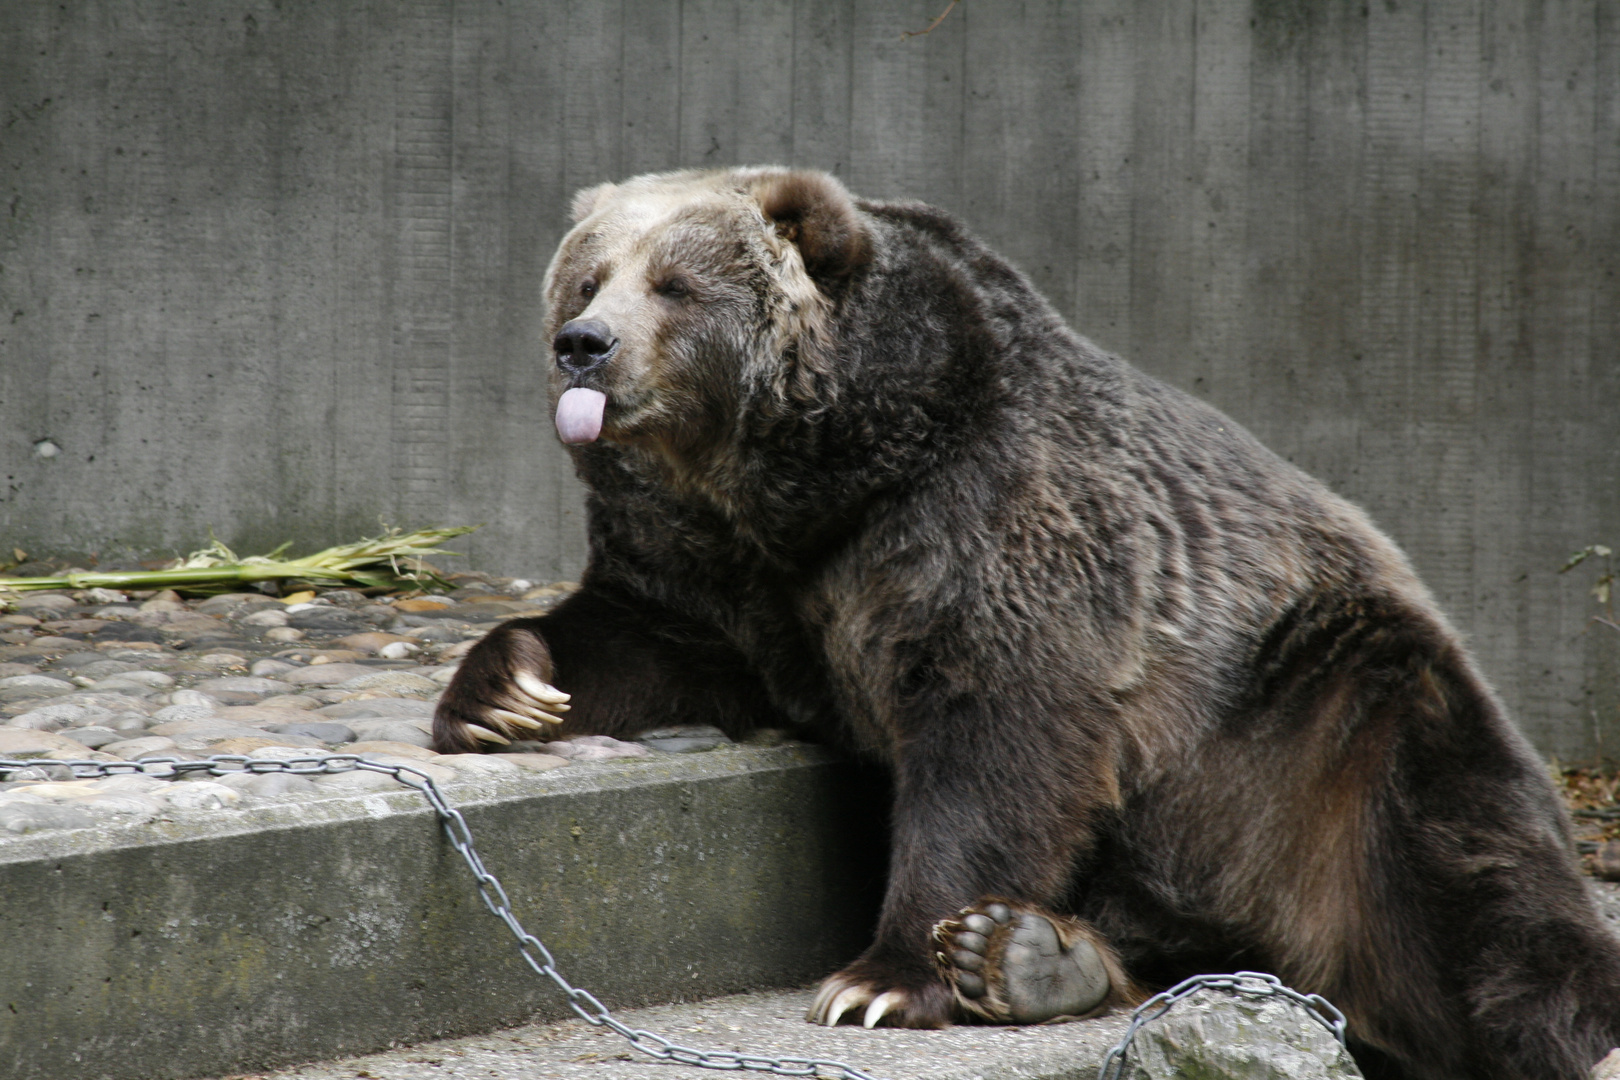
{"x": 1153, "y": 701}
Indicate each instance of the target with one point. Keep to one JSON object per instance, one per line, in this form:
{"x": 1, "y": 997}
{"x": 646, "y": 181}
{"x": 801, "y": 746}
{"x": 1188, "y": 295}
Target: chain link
{"x": 1252, "y": 983}
{"x": 532, "y": 949}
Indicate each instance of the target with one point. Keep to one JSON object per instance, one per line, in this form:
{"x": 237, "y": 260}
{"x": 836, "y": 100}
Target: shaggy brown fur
{"x": 1124, "y": 664}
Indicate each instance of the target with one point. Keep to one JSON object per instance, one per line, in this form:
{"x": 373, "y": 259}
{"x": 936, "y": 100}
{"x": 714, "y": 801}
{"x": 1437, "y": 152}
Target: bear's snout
{"x": 583, "y": 344}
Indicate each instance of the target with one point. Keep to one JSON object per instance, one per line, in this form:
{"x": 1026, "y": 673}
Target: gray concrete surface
{"x": 273, "y": 267}
{"x": 768, "y": 1024}
{"x": 227, "y": 940}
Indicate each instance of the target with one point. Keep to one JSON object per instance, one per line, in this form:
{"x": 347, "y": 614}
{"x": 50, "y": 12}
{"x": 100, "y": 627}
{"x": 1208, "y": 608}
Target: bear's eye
{"x": 675, "y": 289}
{"x": 587, "y": 288}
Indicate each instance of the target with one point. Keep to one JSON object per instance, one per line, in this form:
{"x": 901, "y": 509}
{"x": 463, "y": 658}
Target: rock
{"x": 58, "y": 716}
{"x": 481, "y": 764}
{"x": 171, "y": 713}
{"x": 327, "y": 620}
{"x": 1224, "y": 1036}
{"x": 358, "y": 781}
{"x": 38, "y": 817}
{"x": 126, "y": 809}
{"x": 393, "y": 684}
{"x": 269, "y": 617}
{"x": 51, "y": 603}
{"x": 334, "y": 656}
{"x": 394, "y": 749}
{"x": 395, "y": 731}
{"x": 28, "y": 687}
{"x": 684, "y": 738}
{"x": 127, "y": 631}
{"x": 126, "y": 684}
{"x": 132, "y": 749}
{"x": 20, "y": 745}
{"x": 371, "y": 642}
{"x": 130, "y": 785}
{"x": 326, "y": 674}
{"x": 325, "y": 731}
{"x": 595, "y": 748}
{"x": 194, "y": 698}
{"x": 537, "y": 762}
{"x": 198, "y": 628}
{"x": 438, "y": 634}
{"x": 246, "y": 744}
{"x": 270, "y": 669}
{"x": 127, "y": 723}
{"x": 269, "y": 785}
{"x": 243, "y": 689}
{"x": 101, "y": 596}
{"x": 93, "y": 664}
{"x": 97, "y": 737}
{"x": 1606, "y": 865}
{"x": 289, "y": 703}
{"x": 380, "y": 707}
{"x": 154, "y": 679}
{"x": 201, "y": 795}
{"x": 283, "y": 633}
{"x": 413, "y": 607}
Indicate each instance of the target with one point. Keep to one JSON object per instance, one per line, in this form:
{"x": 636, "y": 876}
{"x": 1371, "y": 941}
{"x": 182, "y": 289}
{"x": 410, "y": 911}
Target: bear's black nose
{"x": 583, "y": 344}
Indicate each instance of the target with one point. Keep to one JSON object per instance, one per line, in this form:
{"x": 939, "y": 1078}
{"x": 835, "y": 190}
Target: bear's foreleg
{"x": 597, "y": 665}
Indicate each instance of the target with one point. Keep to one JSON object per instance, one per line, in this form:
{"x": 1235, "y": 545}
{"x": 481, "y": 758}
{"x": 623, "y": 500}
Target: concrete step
{"x": 769, "y": 1024}
{"x": 247, "y": 938}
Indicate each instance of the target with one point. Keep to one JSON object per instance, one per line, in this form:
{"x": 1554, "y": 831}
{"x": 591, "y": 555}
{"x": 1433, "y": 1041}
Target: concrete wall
{"x": 272, "y": 267}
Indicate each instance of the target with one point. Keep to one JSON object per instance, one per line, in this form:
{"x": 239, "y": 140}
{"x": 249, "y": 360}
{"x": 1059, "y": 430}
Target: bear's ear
{"x": 817, "y": 214}
{"x": 588, "y": 199}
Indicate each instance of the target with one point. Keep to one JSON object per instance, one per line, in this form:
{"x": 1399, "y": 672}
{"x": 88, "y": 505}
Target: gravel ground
{"x": 99, "y": 675}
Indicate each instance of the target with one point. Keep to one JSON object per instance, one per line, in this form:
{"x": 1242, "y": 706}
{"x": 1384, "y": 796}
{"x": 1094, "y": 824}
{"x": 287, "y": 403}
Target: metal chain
{"x": 1252, "y": 983}
{"x": 534, "y": 952}
{"x": 539, "y": 958}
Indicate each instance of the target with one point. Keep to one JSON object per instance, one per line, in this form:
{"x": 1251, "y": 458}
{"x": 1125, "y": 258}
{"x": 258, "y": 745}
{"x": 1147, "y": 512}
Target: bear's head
{"x": 680, "y": 302}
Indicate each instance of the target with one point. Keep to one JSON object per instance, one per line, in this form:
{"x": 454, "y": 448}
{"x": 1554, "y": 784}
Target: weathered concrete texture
{"x": 767, "y": 1024}
{"x": 231, "y": 940}
{"x": 274, "y": 267}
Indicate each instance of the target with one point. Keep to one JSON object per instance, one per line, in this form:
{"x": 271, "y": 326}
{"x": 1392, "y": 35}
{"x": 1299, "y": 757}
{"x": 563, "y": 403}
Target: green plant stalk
{"x": 374, "y": 562}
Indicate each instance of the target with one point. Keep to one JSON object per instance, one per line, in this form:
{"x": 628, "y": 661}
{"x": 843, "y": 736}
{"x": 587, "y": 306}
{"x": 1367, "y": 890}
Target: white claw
{"x": 487, "y": 735}
{"x": 848, "y": 998}
{"x": 541, "y": 692}
{"x": 507, "y": 716}
{"x": 549, "y": 714}
{"x": 880, "y": 1005}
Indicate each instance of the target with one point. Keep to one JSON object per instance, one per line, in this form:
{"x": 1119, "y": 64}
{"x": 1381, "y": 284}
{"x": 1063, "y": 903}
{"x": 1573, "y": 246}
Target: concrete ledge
{"x": 769, "y": 1024}
{"x": 232, "y": 940}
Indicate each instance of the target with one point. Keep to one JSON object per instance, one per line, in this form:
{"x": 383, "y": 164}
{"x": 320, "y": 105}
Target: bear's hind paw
{"x": 1012, "y": 964}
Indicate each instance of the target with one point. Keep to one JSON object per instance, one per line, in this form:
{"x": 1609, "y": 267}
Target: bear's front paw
{"x": 1013, "y": 964}
{"x": 897, "y": 1001}
{"x": 497, "y": 696}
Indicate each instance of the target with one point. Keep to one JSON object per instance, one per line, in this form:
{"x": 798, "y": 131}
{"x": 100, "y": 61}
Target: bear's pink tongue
{"x": 579, "y": 415}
